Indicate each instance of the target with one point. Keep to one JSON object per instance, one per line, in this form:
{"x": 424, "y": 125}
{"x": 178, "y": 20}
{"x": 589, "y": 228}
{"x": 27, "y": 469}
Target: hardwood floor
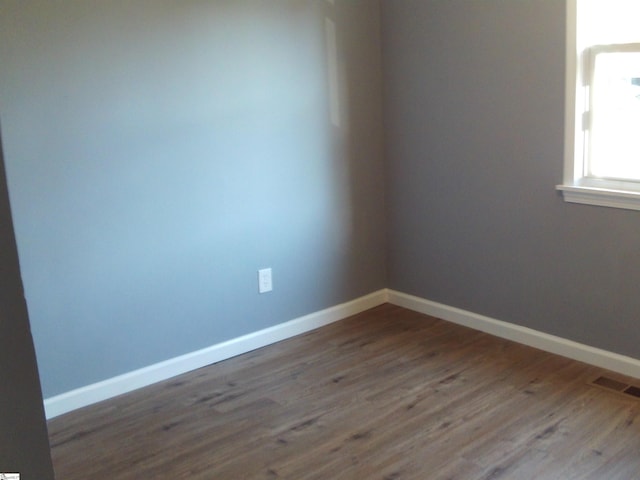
{"x": 387, "y": 394}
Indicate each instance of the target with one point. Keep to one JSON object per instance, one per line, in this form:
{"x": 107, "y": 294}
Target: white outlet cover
{"x": 265, "y": 282}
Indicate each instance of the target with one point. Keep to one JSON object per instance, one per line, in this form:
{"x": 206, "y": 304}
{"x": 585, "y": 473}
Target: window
{"x": 602, "y": 142}
{"x": 613, "y": 151}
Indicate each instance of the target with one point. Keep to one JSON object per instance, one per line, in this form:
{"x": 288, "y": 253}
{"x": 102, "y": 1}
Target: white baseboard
{"x": 527, "y": 336}
{"x": 127, "y": 382}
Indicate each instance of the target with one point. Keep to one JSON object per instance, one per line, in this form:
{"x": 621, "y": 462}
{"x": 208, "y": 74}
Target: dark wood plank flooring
{"x": 387, "y": 394}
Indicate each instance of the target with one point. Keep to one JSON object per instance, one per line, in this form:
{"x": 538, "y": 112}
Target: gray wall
{"x": 474, "y": 119}
{"x": 160, "y": 152}
{"x": 24, "y": 446}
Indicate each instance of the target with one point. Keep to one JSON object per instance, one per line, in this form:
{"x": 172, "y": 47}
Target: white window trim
{"x": 576, "y": 188}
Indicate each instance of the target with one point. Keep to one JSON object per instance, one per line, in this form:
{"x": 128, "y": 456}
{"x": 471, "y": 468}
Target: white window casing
{"x": 602, "y": 150}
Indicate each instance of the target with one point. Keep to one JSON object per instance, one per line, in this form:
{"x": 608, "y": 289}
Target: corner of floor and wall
{"x": 364, "y": 151}
{"x": 130, "y": 381}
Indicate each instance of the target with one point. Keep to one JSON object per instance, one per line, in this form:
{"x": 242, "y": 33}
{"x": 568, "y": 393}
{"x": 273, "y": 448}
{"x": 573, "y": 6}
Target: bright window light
{"x": 614, "y": 133}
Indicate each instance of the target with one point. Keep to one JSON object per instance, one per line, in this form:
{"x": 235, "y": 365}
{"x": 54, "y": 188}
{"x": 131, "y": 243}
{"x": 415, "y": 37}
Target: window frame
{"x": 578, "y": 186}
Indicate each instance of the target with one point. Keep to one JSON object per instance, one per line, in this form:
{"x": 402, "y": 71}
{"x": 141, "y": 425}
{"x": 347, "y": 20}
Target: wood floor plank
{"x": 387, "y": 394}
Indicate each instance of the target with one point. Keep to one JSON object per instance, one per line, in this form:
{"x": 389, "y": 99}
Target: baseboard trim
{"x": 527, "y": 336}
{"x": 96, "y": 392}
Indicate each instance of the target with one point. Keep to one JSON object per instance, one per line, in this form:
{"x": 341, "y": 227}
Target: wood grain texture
{"x": 386, "y": 394}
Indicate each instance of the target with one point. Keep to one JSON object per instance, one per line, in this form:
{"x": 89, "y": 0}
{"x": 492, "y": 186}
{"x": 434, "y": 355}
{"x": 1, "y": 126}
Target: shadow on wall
{"x": 159, "y": 153}
{"x": 24, "y": 445}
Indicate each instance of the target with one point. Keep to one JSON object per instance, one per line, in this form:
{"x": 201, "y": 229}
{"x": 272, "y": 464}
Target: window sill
{"x": 603, "y": 197}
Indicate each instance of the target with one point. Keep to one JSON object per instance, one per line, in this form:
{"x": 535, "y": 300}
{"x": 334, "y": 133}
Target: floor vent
{"x": 634, "y": 391}
{"x": 617, "y": 386}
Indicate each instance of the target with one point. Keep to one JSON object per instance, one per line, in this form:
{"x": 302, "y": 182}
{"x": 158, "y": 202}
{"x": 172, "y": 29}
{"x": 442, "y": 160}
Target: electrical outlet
{"x": 265, "y": 282}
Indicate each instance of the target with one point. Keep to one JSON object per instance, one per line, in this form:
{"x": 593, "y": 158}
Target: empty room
{"x": 319, "y": 239}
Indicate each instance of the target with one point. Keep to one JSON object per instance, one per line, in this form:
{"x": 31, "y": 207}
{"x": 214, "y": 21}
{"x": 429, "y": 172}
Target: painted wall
{"x": 474, "y": 98}
{"x": 24, "y": 446}
{"x": 160, "y": 152}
